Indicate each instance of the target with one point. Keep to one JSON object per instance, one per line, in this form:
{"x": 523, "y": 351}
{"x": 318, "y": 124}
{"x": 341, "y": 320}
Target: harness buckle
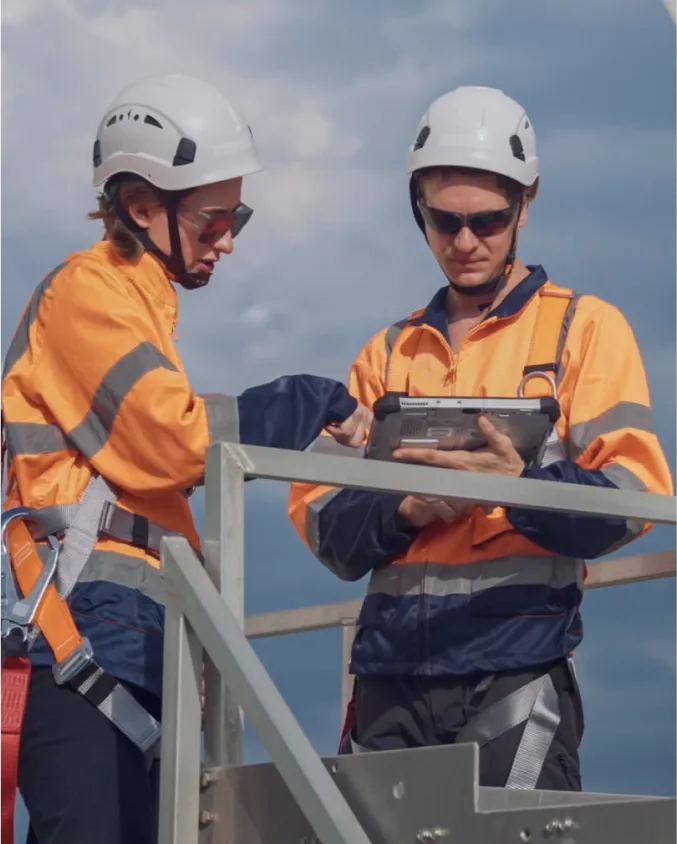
{"x": 17, "y": 612}
{"x": 74, "y": 663}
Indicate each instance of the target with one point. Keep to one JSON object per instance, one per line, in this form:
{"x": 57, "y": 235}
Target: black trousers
{"x": 83, "y": 781}
{"x": 398, "y": 712}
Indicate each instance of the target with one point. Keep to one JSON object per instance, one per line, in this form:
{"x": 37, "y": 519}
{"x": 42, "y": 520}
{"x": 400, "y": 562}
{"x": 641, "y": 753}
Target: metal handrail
{"x": 205, "y": 609}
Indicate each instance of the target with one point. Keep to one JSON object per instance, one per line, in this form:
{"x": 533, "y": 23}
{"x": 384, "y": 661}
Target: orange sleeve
{"x": 611, "y": 440}
{"x": 118, "y": 399}
{"x": 610, "y": 420}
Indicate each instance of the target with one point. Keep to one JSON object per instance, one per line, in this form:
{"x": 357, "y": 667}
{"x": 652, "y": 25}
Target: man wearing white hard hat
{"x": 472, "y": 613}
{"x": 106, "y": 439}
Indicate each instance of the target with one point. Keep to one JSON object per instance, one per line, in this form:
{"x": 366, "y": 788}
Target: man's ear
{"x": 524, "y": 213}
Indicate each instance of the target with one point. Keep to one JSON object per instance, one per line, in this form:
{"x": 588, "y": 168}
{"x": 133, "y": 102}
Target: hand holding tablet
{"x": 498, "y": 436}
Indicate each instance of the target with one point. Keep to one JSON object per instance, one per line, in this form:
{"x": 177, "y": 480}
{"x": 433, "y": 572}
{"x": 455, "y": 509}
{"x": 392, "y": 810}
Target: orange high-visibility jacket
{"x": 93, "y": 386}
{"x": 502, "y": 590}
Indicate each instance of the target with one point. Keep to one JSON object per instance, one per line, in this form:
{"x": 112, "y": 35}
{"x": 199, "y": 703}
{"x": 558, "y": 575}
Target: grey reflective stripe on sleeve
{"x": 625, "y": 414}
{"x": 625, "y": 479}
{"x": 92, "y": 433}
{"x": 313, "y": 511}
{"x": 83, "y": 533}
{"x": 223, "y": 417}
{"x": 21, "y": 339}
{"x": 34, "y": 438}
{"x": 537, "y": 703}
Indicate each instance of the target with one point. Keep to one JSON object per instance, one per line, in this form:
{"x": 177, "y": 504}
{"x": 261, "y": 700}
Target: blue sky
{"x": 334, "y": 93}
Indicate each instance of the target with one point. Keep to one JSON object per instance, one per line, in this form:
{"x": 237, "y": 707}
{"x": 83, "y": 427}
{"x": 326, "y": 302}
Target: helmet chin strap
{"x": 174, "y": 263}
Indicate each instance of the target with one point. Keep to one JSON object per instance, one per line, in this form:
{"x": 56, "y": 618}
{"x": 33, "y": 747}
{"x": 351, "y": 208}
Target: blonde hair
{"x": 128, "y": 191}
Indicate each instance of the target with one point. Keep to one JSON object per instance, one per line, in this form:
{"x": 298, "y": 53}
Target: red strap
{"x": 349, "y": 721}
{"x": 3, "y": 451}
{"x": 16, "y": 674}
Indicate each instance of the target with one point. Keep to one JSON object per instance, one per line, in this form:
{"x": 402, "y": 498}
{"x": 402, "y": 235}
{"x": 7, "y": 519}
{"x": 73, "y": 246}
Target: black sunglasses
{"x": 218, "y": 223}
{"x": 481, "y": 224}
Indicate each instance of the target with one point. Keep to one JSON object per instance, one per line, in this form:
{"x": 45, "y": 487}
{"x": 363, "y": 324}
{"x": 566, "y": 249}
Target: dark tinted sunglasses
{"x": 218, "y": 223}
{"x": 481, "y": 224}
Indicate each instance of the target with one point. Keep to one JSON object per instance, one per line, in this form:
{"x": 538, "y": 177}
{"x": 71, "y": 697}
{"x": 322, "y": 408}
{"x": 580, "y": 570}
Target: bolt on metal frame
{"x": 205, "y": 611}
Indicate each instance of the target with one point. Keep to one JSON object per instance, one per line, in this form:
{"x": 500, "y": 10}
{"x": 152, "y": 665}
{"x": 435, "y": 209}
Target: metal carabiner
{"x": 537, "y": 374}
{"x": 18, "y": 613}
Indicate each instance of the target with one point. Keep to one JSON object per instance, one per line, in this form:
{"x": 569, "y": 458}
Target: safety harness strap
{"x": 74, "y": 659}
{"x": 547, "y": 340}
{"x": 537, "y": 706}
{"x": 545, "y": 351}
{"x": 536, "y": 703}
{"x": 114, "y": 523}
{"x": 117, "y": 704}
{"x": 83, "y": 533}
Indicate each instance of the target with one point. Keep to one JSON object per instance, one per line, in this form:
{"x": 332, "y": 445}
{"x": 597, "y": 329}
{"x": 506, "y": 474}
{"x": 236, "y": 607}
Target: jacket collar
{"x": 435, "y": 313}
{"x": 146, "y": 272}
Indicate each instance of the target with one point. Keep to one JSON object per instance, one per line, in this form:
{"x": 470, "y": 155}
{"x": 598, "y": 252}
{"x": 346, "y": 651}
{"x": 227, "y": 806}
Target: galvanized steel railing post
{"x": 224, "y": 563}
{"x": 308, "y": 780}
{"x": 179, "y": 811}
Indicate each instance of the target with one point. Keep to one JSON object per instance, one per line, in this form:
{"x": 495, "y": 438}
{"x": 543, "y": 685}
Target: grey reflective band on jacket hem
{"x": 123, "y": 570}
{"x": 223, "y": 418}
{"x": 625, "y": 414}
{"x": 439, "y": 580}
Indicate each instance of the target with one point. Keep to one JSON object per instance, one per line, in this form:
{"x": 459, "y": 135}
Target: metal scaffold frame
{"x": 205, "y": 610}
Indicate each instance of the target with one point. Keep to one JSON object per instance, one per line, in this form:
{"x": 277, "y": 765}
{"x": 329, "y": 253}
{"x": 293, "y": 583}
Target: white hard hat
{"x": 176, "y": 132}
{"x": 480, "y": 128}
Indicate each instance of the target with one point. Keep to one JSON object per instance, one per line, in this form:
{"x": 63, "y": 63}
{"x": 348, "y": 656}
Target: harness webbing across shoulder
{"x": 555, "y": 310}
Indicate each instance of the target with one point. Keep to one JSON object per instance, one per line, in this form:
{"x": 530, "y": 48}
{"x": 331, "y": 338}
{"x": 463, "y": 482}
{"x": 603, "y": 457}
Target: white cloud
{"x": 19, "y": 12}
{"x": 94, "y": 52}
